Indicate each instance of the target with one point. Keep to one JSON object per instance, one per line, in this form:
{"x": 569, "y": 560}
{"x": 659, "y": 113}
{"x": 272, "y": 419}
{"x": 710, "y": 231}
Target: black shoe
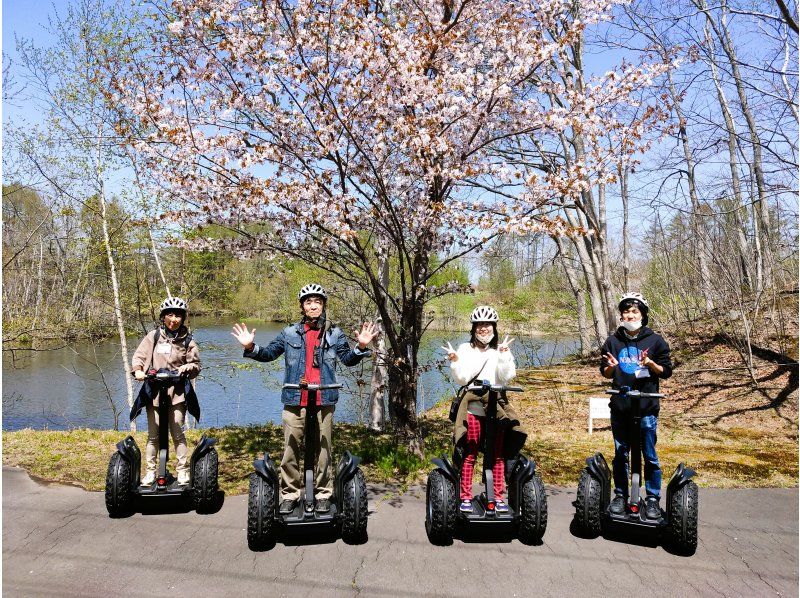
{"x": 288, "y": 505}
{"x": 617, "y": 505}
{"x": 651, "y": 509}
{"x": 323, "y": 505}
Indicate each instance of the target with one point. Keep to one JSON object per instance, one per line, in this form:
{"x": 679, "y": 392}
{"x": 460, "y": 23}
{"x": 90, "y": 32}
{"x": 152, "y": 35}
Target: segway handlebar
{"x": 634, "y": 393}
{"x": 307, "y": 386}
{"x": 162, "y": 375}
{"x": 494, "y": 387}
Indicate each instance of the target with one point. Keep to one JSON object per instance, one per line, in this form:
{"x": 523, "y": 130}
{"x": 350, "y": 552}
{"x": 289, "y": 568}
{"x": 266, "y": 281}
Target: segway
{"x": 678, "y": 524}
{"x": 527, "y": 501}
{"x": 348, "y": 510}
{"x": 123, "y": 478}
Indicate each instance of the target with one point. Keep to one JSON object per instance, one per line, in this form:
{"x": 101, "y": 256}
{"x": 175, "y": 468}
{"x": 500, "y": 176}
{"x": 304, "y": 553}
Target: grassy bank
{"x": 713, "y": 419}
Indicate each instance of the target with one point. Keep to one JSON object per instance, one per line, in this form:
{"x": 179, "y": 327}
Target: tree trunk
{"x": 39, "y": 284}
{"x": 403, "y": 404}
{"x": 761, "y": 207}
{"x": 626, "y": 251}
{"x": 123, "y": 343}
{"x": 377, "y": 410}
{"x": 580, "y": 297}
{"x": 158, "y": 261}
{"x": 733, "y": 163}
{"x": 698, "y": 228}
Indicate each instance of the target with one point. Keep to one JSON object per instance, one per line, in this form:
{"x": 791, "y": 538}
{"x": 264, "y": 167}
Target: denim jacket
{"x": 291, "y": 343}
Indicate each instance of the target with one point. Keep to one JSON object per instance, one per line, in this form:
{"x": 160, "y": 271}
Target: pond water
{"x": 74, "y": 387}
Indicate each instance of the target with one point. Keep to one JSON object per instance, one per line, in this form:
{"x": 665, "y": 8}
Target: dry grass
{"x": 717, "y": 422}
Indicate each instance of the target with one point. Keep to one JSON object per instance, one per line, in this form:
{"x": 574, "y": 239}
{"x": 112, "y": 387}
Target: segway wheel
{"x": 533, "y": 518}
{"x": 261, "y": 527}
{"x": 204, "y": 481}
{"x": 441, "y": 504}
{"x": 119, "y": 501}
{"x": 354, "y": 509}
{"x": 683, "y": 511}
{"x": 588, "y": 505}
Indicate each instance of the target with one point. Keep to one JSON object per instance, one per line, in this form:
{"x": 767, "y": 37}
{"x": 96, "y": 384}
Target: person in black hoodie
{"x": 637, "y": 357}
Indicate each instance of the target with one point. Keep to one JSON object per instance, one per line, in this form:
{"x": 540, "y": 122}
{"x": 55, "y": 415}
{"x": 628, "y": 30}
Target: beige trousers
{"x": 177, "y": 414}
{"x": 294, "y": 424}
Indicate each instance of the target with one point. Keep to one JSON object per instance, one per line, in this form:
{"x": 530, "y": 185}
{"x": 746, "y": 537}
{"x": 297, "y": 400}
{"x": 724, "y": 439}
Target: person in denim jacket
{"x": 310, "y": 349}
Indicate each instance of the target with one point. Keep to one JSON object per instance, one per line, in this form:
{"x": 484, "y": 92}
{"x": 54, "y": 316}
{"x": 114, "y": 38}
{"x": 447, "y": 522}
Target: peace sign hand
{"x": 611, "y": 360}
{"x": 505, "y": 344}
{"x": 451, "y": 353}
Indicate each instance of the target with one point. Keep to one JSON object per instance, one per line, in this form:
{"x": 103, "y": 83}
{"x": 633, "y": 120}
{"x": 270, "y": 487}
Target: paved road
{"x": 59, "y": 541}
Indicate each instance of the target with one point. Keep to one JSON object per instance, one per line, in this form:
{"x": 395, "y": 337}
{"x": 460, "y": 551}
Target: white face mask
{"x": 631, "y": 326}
{"x": 485, "y": 338}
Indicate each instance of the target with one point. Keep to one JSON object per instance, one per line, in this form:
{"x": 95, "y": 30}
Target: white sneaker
{"x": 149, "y": 478}
{"x": 183, "y": 478}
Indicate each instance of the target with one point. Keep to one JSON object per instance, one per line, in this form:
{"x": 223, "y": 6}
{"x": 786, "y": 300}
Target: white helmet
{"x": 637, "y": 296}
{"x": 484, "y": 313}
{"x": 642, "y": 305}
{"x": 311, "y": 289}
{"x": 173, "y": 304}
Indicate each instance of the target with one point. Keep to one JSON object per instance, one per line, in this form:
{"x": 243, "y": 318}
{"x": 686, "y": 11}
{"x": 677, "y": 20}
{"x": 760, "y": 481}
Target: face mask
{"x": 631, "y": 326}
{"x": 485, "y": 338}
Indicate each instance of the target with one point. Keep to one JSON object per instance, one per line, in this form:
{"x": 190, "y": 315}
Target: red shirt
{"x": 311, "y": 374}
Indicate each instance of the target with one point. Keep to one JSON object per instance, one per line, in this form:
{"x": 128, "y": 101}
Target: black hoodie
{"x": 627, "y": 351}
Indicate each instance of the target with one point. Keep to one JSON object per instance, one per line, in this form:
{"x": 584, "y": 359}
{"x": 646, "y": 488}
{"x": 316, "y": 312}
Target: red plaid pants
{"x": 475, "y": 429}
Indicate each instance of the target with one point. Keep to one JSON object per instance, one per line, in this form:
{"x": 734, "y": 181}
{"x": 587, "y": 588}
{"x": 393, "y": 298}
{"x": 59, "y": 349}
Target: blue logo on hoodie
{"x": 629, "y": 360}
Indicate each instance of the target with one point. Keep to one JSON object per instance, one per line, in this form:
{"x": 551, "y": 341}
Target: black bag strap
{"x": 463, "y": 390}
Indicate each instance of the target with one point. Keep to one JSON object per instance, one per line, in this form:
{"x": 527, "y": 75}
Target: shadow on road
{"x": 301, "y": 537}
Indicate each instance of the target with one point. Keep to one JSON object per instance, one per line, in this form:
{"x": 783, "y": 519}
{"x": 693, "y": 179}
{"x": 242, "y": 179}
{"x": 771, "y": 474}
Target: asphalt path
{"x": 59, "y": 541}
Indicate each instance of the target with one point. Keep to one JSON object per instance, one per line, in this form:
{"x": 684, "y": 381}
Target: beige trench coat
{"x": 177, "y": 357}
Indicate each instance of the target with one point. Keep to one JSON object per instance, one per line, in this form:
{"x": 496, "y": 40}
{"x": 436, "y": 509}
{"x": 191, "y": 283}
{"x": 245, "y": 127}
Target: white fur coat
{"x": 499, "y": 368}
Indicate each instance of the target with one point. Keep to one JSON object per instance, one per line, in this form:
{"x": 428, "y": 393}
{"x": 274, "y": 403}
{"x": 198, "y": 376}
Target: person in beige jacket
{"x": 167, "y": 348}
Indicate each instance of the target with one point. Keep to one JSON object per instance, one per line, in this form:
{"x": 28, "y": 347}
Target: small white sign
{"x": 598, "y": 409}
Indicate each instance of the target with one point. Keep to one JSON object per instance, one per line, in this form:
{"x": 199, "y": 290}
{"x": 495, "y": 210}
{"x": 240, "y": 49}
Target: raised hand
{"x": 244, "y": 336}
{"x": 505, "y": 344}
{"x": 366, "y": 334}
{"x": 451, "y": 353}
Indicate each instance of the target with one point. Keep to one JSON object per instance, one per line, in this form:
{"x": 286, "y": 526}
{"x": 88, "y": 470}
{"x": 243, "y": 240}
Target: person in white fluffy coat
{"x": 483, "y": 358}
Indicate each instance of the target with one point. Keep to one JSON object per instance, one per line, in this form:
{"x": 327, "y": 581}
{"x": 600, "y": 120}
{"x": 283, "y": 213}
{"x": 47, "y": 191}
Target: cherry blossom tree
{"x": 343, "y": 132}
